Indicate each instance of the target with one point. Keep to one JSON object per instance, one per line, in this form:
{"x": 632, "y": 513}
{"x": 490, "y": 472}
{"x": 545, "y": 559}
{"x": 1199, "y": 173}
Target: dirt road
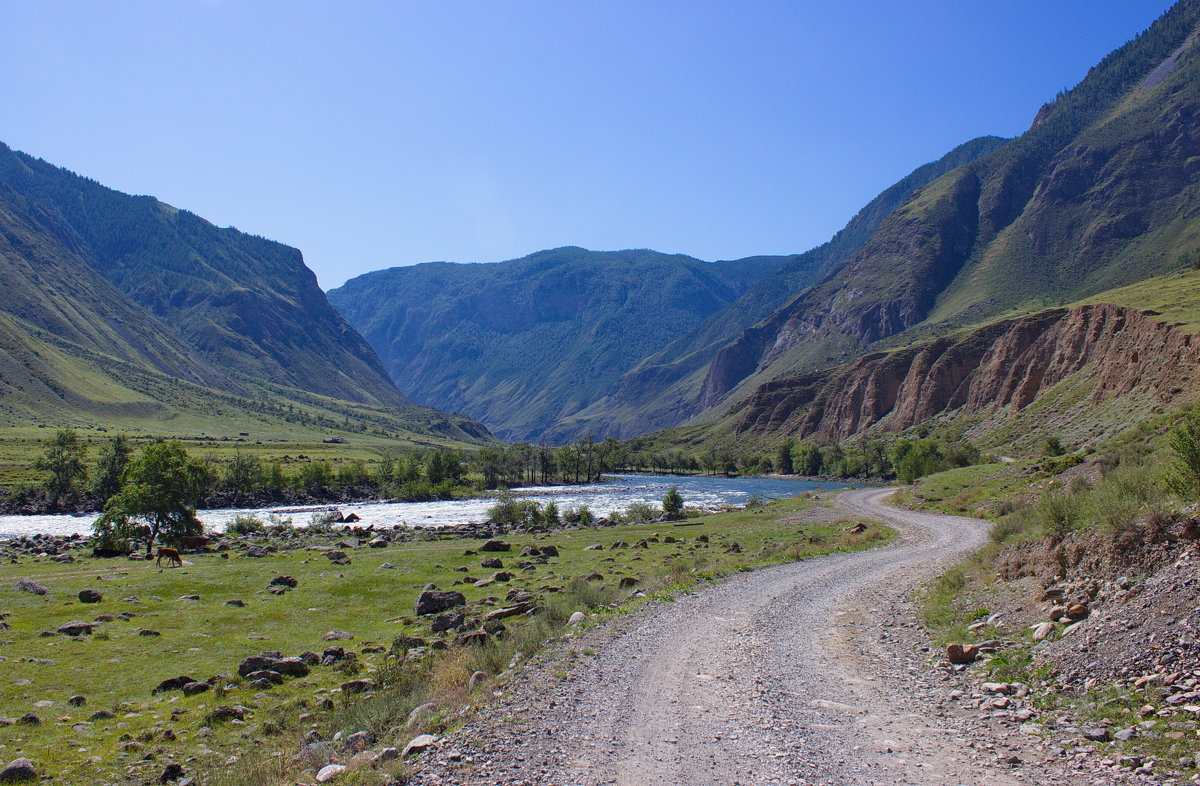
{"x": 805, "y": 673}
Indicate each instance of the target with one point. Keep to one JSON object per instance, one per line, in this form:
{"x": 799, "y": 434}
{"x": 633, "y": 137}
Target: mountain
{"x": 523, "y": 344}
{"x": 123, "y": 307}
{"x": 1102, "y": 191}
{"x": 664, "y": 389}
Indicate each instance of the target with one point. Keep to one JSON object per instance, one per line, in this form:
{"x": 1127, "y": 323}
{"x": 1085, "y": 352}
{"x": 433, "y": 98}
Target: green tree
{"x": 243, "y": 475}
{"x": 672, "y": 503}
{"x": 1183, "y": 477}
{"x": 114, "y": 458}
{"x": 784, "y": 457}
{"x": 65, "y": 459}
{"x": 158, "y": 499}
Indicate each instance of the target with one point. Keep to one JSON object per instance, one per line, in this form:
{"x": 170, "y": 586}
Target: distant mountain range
{"x": 1102, "y": 191}
{"x": 122, "y": 306}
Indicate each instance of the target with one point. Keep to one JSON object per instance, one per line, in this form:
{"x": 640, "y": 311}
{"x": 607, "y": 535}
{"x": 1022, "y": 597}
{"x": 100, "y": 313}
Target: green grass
{"x": 118, "y": 669}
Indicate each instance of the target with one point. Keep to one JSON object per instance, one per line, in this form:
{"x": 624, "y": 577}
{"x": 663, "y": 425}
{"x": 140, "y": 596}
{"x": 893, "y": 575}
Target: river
{"x": 601, "y": 498}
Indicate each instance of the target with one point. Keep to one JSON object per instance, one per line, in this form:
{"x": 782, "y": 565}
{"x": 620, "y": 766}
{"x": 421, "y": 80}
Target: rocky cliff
{"x": 988, "y": 377}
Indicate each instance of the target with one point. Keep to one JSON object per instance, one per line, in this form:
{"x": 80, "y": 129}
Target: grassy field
{"x": 116, "y": 669}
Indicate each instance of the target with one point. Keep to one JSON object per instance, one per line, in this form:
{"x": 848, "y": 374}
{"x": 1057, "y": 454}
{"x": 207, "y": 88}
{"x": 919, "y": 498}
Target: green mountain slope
{"x": 77, "y": 350}
{"x": 525, "y": 343}
{"x": 665, "y": 388}
{"x": 249, "y": 305}
{"x": 1101, "y": 192}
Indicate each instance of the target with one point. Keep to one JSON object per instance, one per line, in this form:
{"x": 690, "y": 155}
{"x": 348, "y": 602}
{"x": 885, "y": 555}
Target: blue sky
{"x": 373, "y": 134}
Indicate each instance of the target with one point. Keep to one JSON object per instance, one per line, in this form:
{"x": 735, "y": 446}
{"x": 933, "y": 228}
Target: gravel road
{"x": 806, "y": 673}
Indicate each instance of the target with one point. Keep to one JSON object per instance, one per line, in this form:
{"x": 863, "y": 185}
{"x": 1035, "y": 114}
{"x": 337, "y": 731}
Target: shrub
{"x": 673, "y": 502}
{"x": 550, "y": 513}
{"x": 640, "y": 512}
{"x": 1183, "y": 477}
{"x": 245, "y": 525}
{"x": 1058, "y": 513}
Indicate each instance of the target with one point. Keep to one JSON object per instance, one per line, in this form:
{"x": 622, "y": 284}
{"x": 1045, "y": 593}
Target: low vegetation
{"x": 202, "y": 620}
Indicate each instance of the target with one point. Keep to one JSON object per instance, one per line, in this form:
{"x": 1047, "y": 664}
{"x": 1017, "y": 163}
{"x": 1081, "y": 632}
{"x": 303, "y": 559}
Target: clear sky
{"x": 373, "y": 134}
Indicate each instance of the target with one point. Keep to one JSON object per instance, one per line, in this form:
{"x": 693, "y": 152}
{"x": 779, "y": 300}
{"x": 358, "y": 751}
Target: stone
{"x": 284, "y": 581}
{"x": 236, "y": 602}
{"x": 358, "y": 686}
{"x": 192, "y": 688}
{"x": 77, "y": 701}
{"x": 338, "y": 635}
{"x": 1125, "y": 735}
{"x": 18, "y": 771}
{"x": 476, "y": 680}
{"x": 421, "y": 714}
{"x": 448, "y": 621}
{"x": 509, "y": 611}
{"x": 359, "y": 741}
{"x": 329, "y": 772}
{"x": 388, "y": 754}
{"x": 75, "y": 628}
{"x": 492, "y": 562}
{"x": 1096, "y": 734}
{"x": 594, "y": 547}
{"x": 495, "y": 545}
{"x": 171, "y": 773}
{"x": 433, "y": 601}
{"x": 100, "y": 715}
{"x": 33, "y": 588}
{"x": 577, "y": 618}
{"x": 148, "y": 632}
{"x": 172, "y": 683}
{"x": 1077, "y": 611}
{"x": 271, "y": 676}
{"x": 376, "y": 543}
{"x": 1043, "y": 631}
{"x": 959, "y": 654}
{"x": 418, "y": 744}
{"x": 628, "y": 581}
{"x": 478, "y": 638}
{"x": 293, "y": 667}
{"x": 90, "y": 596}
{"x": 193, "y": 596}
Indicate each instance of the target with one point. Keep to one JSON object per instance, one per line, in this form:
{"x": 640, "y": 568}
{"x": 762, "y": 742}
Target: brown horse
{"x": 171, "y": 555}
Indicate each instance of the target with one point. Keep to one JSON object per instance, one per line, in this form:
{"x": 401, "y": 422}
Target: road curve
{"x": 794, "y": 674}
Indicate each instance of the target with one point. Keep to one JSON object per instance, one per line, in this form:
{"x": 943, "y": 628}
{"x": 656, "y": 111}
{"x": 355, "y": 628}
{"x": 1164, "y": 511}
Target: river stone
{"x": 432, "y": 601}
{"x": 329, "y": 772}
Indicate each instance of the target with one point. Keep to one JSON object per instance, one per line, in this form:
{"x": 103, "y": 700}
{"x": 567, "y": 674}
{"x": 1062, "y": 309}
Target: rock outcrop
{"x": 996, "y": 371}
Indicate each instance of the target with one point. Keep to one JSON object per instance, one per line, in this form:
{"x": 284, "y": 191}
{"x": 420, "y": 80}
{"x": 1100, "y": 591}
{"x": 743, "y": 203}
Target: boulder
{"x": 377, "y": 543}
{"x": 338, "y": 635}
{"x": 1043, "y": 630}
{"x": 77, "y": 701}
{"x": 1077, "y": 611}
{"x": 576, "y": 618}
{"x": 33, "y": 588}
{"x": 431, "y": 602}
{"x": 329, "y": 772}
{"x": 549, "y": 551}
{"x": 478, "y": 638}
{"x": 236, "y": 602}
{"x": 171, "y": 773}
{"x": 448, "y": 621}
{"x": 359, "y": 741}
{"x": 495, "y": 545}
{"x": 193, "y": 688}
{"x": 18, "y": 771}
{"x": 492, "y": 562}
{"x": 284, "y": 581}
{"x": 75, "y": 628}
{"x": 418, "y": 744}
{"x": 420, "y": 715}
{"x": 962, "y": 653}
{"x": 476, "y": 680}
{"x": 508, "y": 611}
{"x": 90, "y": 596}
{"x": 172, "y": 683}
{"x": 358, "y": 686}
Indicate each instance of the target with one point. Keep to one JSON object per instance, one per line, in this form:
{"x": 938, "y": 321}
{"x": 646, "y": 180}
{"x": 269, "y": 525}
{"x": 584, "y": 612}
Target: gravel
{"x": 811, "y": 672}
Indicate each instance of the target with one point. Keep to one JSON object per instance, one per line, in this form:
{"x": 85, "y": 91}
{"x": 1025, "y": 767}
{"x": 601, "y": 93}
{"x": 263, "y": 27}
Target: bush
{"x": 1183, "y": 478}
{"x": 245, "y": 525}
{"x": 515, "y": 512}
{"x": 550, "y": 513}
{"x": 1058, "y": 513}
{"x": 640, "y": 512}
{"x": 672, "y": 503}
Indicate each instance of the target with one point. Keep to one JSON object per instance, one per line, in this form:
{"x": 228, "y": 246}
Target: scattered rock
{"x": 75, "y": 628}
{"x": 1096, "y": 734}
{"x": 476, "y": 680}
{"x": 90, "y": 596}
{"x": 432, "y": 601}
{"x": 77, "y": 701}
{"x": 358, "y": 686}
{"x": 577, "y": 618}
{"x": 448, "y": 621}
{"x": 492, "y": 562}
{"x": 235, "y": 602}
{"x": 959, "y": 653}
{"x": 418, "y": 744}
{"x": 18, "y": 770}
{"x": 284, "y": 581}
{"x": 337, "y": 635}
{"x": 420, "y": 715}
{"x": 171, "y": 773}
{"x": 329, "y": 772}
{"x": 495, "y": 545}
{"x": 32, "y": 587}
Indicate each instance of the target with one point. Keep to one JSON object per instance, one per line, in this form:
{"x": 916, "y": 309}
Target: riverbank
{"x": 98, "y": 684}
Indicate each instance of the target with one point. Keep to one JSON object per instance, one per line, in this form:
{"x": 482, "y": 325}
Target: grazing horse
{"x": 171, "y": 556}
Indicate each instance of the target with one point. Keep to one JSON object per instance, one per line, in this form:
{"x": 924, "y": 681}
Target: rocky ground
{"x": 813, "y": 672}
